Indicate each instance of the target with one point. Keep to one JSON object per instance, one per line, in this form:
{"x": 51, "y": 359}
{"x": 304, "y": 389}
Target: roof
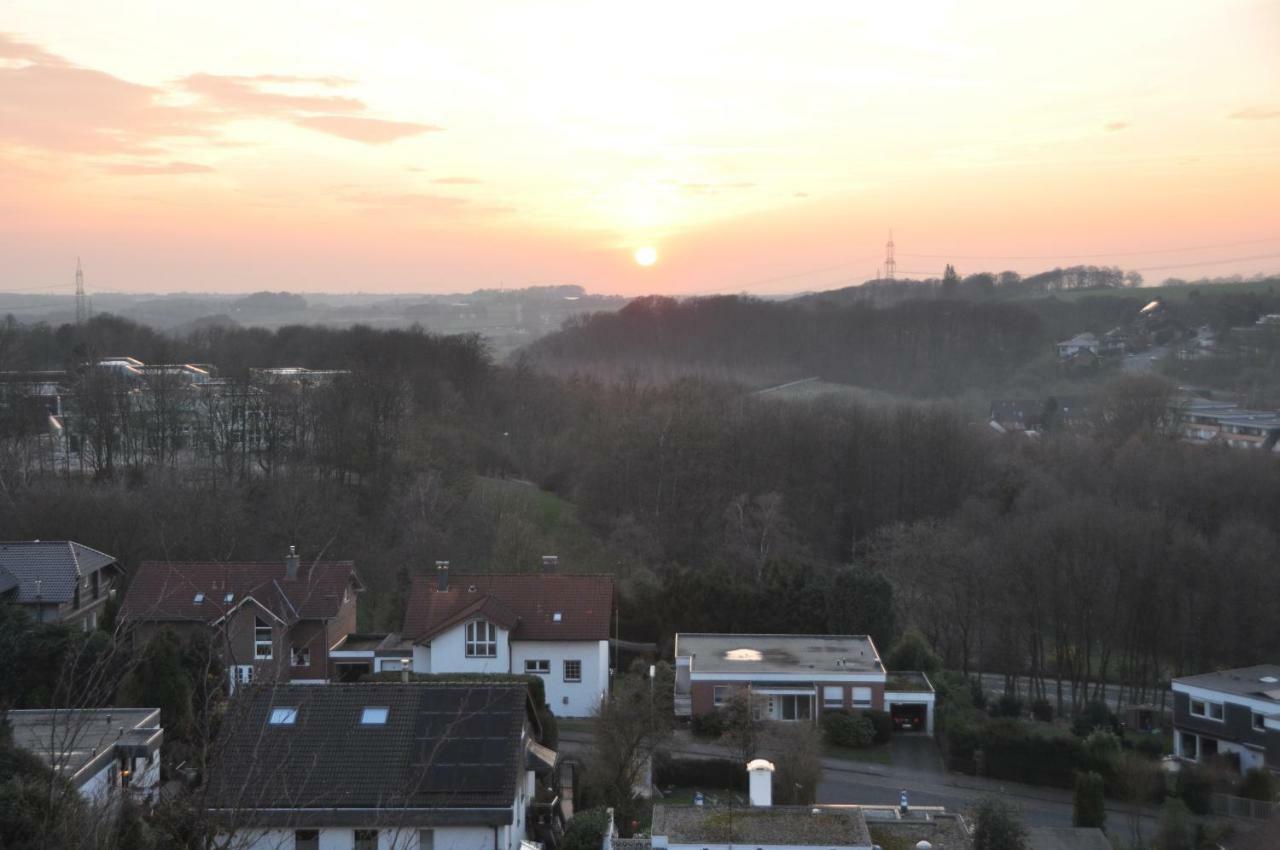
{"x": 78, "y": 743}
{"x": 908, "y": 681}
{"x": 1249, "y": 682}
{"x": 56, "y": 564}
{"x": 756, "y": 654}
{"x": 163, "y": 591}
{"x": 758, "y": 825}
{"x": 443, "y": 746}
{"x": 534, "y": 606}
{"x": 1066, "y": 838}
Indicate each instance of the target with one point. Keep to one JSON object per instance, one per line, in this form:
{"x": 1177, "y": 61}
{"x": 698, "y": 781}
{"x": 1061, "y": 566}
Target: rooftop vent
{"x": 1270, "y": 680}
{"x": 291, "y": 563}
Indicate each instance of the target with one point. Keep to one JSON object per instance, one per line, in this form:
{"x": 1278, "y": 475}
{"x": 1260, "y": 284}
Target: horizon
{"x": 730, "y": 150}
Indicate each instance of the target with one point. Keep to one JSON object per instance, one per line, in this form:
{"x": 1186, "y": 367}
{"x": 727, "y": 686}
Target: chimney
{"x": 549, "y": 563}
{"x": 291, "y": 563}
{"x": 760, "y": 782}
{"x": 442, "y": 576}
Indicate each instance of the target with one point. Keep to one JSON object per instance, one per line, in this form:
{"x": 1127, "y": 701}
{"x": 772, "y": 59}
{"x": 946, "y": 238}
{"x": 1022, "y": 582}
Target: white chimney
{"x": 760, "y": 782}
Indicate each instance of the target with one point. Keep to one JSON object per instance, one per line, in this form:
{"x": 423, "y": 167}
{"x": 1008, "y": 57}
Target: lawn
{"x": 877, "y": 754}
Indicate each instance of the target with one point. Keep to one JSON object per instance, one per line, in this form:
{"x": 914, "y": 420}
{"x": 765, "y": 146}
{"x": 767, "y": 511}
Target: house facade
{"x": 382, "y": 766}
{"x": 1229, "y": 712}
{"x": 546, "y": 624}
{"x": 797, "y": 677}
{"x": 102, "y": 752}
{"x": 58, "y": 581}
{"x": 269, "y": 620}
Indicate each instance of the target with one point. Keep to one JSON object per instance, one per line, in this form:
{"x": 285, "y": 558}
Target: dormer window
{"x": 227, "y": 599}
{"x": 284, "y": 715}
{"x": 261, "y": 639}
{"x": 374, "y": 716}
{"x": 199, "y": 599}
{"x": 482, "y": 639}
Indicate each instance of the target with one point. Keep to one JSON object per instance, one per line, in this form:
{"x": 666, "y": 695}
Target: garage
{"x": 909, "y": 717}
{"x": 908, "y": 697}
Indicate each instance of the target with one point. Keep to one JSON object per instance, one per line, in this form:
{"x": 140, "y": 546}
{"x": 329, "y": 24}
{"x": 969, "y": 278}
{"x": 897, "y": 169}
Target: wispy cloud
{"x": 456, "y": 181}
{"x": 708, "y": 187}
{"x": 1255, "y": 113}
{"x": 373, "y": 131}
{"x": 1115, "y": 126}
{"x": 241, "y": 95}
{"x": 144, "y": 168}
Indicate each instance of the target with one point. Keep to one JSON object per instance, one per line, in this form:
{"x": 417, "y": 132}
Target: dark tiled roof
{"x": 166, "y": 591}
{"x": 584, "y": 603}
{"x": 449, "y": 745}
{"x": 54, "y": 563}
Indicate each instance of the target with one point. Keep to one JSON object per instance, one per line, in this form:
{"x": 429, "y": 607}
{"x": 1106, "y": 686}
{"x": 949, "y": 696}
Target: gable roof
{"x": 443, "y": 746}
{"x": 163, "y": 591}
{"x": 56, "y": 564}
{"x": 529, "y": 602}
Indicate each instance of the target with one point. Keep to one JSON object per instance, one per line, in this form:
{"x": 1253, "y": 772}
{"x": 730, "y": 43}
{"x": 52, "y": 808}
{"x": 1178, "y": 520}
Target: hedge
{"x": 685, "y": 772}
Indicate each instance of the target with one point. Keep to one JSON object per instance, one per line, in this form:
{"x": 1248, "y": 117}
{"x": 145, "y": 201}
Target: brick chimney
{"x": 549, "y": 563}
{"x": 442, "y": 576}
{"x": 291, "y": 563}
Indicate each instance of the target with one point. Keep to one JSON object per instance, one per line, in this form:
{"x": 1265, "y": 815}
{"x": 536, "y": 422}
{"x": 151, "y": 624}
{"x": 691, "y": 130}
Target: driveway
{"x": 915, "y": 752}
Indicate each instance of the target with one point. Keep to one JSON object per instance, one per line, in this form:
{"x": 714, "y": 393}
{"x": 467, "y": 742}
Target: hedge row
{"x": 684, "y": 772}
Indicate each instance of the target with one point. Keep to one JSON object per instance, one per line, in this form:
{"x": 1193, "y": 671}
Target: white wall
{"x": 332, "y": 838}
{"x": 568, "y": 699}
{"x": 449, "y": 654}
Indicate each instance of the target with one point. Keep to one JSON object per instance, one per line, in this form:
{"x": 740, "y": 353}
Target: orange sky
{"x": 409, "y": 146}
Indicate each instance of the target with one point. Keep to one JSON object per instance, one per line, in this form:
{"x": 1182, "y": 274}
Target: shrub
{"x": 883, "y": 723}
{"x": 996, "y": 826}
{"x": 1089, "y": 805}
{"x": 976, "y": 694}
{"x": 1151, "y": 746}
{"x": 688, "y": 772}
{"x": 586, "y": 830}
{"x": 845, "y": 729}
{"x": 708, "y": 725}
{"x": 1195, "y": 787}
{"x": 1094, "y": 715}
{"x": 1042, "y": 710}
{"x": 1174, "y": 832}
{"x": 1257, "y": 784}
{"x": 1101, "y": 745}
{"x": 1008, "y": 705}
{"x": 912, "y": 652}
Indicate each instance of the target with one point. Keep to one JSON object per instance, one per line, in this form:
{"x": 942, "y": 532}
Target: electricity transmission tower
{"x": 82, "y": 302}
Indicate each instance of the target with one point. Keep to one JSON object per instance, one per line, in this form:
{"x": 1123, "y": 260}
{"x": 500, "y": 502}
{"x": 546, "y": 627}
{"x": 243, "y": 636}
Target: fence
{"x": 1226, "y": 805}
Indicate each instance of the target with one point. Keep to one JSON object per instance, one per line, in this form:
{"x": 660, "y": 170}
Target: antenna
{"x": 890, "y": 265}
{"x": 82, "y": 303}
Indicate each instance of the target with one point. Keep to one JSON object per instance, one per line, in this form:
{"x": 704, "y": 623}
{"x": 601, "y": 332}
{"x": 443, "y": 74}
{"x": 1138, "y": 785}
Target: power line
{"x": 1208, "y": 262}
{"x": 1087, "y": 256}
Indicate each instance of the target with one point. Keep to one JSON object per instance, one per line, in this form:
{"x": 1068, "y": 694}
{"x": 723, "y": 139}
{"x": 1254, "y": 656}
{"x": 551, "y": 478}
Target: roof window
{"x": 374, "y": 716}
{"x": 284, "y": 715}
{"x": 557, "y": 616}
{"x": 228, "y": 598}
{"x": 199, "y": 599}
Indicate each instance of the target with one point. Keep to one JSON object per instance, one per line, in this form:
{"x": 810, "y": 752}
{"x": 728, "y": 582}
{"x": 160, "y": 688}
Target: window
{"x": 557, "y": 617}
{"x": 426, "y": 839}
{"x": 573, "y": 671}
{"x": 861, "y": 697}
{"x": 244, "y": 674}
{"x": 541, "y": 666}
{"x": 374, "y": 716}
{"x": 719, "y": 695}
{"x": 96, "y": 583}
{"x": 833, "y": 697}
{"x": 1215, "y": 711}
{"x": 392, "y": 665}
{"x": 306, "y": 839}
{"x": 1206, "y": 709}
{"x": 199, "y": 599}
{"x": 482, "y": 639}
{"x": 366, "y": 839}
{"x": 284, "y": 715}
{"x": 795, "y": 707}
{"x": 300, "y": 656}
{"x": 228, "y": 598}
{"x": 261, "y": 638}
{"x": 1259, "y": 722}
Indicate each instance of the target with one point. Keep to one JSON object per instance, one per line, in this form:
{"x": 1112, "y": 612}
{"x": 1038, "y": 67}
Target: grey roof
{"x": 761, "y": 826}
{"x": 56, "y": 564}
{"x": 450, "y": 745}
{"x": 77, "y": 743}
{"x": 756, "y": 654}
{"x": 1066, "y": 838}
{"x": 1242, "y": 681}
{"x": 944, "y": 830}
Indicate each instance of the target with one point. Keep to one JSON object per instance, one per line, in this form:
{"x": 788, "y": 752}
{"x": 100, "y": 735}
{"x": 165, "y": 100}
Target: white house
{"x": 102, "y": 752}
{"x": 382, "y": 766}
{"x": 548, "y": 624}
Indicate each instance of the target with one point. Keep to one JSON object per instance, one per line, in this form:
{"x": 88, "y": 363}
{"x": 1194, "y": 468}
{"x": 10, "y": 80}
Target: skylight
{"x": 228, "y": 597}
{"x": 199, "y": 598}
{"x": 374, "y": 716}
{"x": 744, "y": 655}
{"x": 285, "y": 715}
{"x": 557, "y": 616}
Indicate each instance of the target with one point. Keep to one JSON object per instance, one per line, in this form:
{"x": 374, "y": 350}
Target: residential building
{"x": 100, "y": 751}
{"x": 797, "y": 677}
{"x": 382, "y": 766}
{"x": 1229, "y": 712}
{"x": 547, "y": 624}
{"x": 58, "y": 581}
{"x": 272, "y": 619}
{"x": 1225, "y": 423}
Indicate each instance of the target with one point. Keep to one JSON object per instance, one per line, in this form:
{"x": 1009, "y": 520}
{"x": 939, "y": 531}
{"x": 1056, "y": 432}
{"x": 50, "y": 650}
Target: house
{"x": 1229, "y": 712}
{"x": 1085, "y": 343}
{"x": 797, "y": 677}
{"x": 100, "y": 751}
{"x": 272, "y": 619}
{"x": 58, "y": 581}
{"x": 1218, "y": 422}
{"x": 376, "y": 766}
{"x": 547, "y": 624}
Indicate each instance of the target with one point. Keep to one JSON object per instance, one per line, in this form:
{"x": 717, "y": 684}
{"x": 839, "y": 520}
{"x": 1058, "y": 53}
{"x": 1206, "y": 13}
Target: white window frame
{"x": 576, "y": 665}
{"x": 720, "y": 695}
{"x": 259, "y": 625}
{"x": 481, "y": 639}
{"x": 862, "y": 697}
{"x": 832, "y": 696}
{"x": 1206, "y": 710}
{"x": 300, "y": 656}
{"x": 244, "y": 674}
{"x": 537, "y": 666}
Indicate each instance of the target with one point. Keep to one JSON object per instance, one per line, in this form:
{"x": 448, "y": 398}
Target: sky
{"x": 421, "y": 146}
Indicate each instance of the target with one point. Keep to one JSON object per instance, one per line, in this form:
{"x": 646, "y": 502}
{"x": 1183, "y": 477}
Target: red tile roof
{"x": 163, "y": 591}
{"x": 584, "y": 603}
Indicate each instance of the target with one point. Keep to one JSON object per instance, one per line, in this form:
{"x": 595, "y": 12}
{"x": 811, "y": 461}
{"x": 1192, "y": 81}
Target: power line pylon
{"x": 82, "y": 302}
{"x": 890, "y": 265}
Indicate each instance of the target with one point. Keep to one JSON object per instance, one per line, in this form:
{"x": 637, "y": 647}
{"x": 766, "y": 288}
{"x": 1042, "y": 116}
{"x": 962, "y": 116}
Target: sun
{"x": 646, "y": 255}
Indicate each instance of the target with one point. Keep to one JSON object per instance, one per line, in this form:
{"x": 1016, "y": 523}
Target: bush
{"x": 708, "y": 725}
{"x": 847, "y": 729}
{"x": 883, "y": 723}
{"x": 1042, "y": 710}
{"x": 1257, "y": 784}
{"x": 1089, "y": 805}
{"x": 912, "y": 652}
{"x": 1195, "y": 787}
{"x": 586, "y": 830}
{"x": 1008, "y": 705}
{"x": 1151, "y": 746}
{"x": 1094, "y": 715}
{"x": 1101, "y": 745}
{"x": 997, "y": 826}
{"x": 686, "y": 772}
{"x": 977, "y": 695}
{"x": 1174, "y": 832}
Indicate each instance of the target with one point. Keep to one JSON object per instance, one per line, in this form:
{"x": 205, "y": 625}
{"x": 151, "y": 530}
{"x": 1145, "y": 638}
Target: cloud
{"x": 374, "y": 131}
{"x": 143, "y": 168}
{"x": 456, "y": 181}
{"x": 707, "y": 188}
{"x": 1115, "y": 126}
{"x": 14, "y": 49}
{"x": 1255, "y": 113}
{"x": 249, "y": 95}
{"x": 420, "y": 203}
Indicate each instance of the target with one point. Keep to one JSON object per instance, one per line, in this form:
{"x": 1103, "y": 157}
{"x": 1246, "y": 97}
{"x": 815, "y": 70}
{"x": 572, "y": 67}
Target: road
{"x": 1146, "y": 361}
